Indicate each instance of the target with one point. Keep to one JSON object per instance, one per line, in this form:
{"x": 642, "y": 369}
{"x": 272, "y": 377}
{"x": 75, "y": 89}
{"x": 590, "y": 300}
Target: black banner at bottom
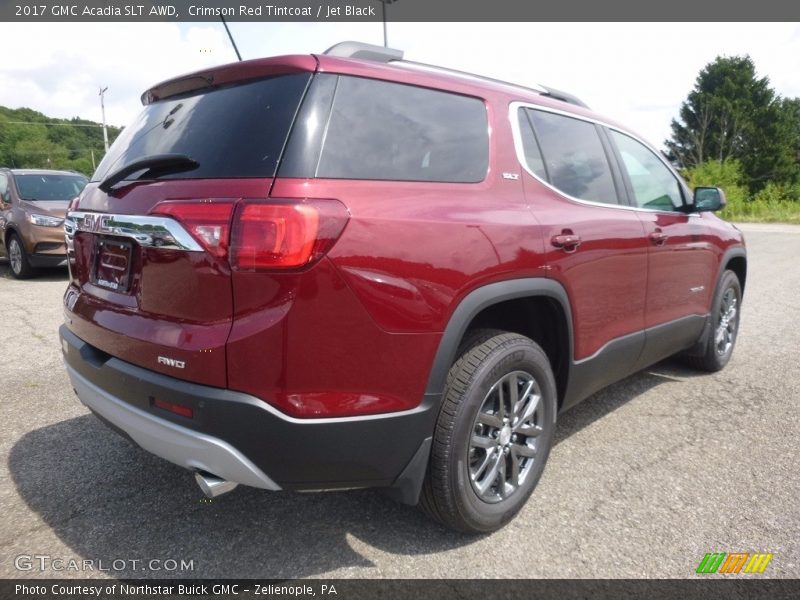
{"x": 358, "y": 589}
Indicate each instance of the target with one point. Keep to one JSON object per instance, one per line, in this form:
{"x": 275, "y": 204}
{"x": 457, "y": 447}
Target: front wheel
{"x": 493, "y": 434}
{"x": 725, "y": 314}
{"x": 18, "y": 259}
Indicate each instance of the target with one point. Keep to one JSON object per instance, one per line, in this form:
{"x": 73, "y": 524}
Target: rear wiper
{"x": 156, "y": 162}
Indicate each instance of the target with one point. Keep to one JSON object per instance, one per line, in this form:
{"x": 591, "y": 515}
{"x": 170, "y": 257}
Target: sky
{"x": 634, "y": 73}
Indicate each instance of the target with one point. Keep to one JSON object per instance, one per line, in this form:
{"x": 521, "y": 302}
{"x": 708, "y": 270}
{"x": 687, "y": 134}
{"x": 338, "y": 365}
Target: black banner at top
{"x": 396, "y": 10}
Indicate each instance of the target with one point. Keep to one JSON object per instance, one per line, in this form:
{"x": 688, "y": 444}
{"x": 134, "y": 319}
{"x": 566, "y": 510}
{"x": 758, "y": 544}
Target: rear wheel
{"x": 493, "y": 434}
{"x": 725, "y": 325}
{"x": 18, "y": 259}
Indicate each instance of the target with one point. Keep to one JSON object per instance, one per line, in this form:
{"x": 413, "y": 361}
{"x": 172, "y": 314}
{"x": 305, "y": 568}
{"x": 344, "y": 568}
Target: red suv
{"x": 348, "y": 270}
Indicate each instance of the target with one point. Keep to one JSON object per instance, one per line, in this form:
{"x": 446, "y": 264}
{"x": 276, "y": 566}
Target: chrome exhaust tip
{"x": 213, "y": 486}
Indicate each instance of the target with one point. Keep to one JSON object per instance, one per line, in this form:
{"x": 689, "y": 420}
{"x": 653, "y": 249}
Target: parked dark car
{"x": 375, "y": 273}
{"x": 33, "y": 203}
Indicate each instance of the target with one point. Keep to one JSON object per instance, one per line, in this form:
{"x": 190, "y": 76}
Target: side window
{"x": 533, "y": 153}
{"x": 574, "y": 157}
{"x": 5, "y": 194}
{"x": 390, "y": 131}
{"x": 654, "y": 185}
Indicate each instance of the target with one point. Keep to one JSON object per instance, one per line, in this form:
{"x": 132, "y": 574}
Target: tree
{"x": 733, "y": 114}
{"x": 30, "y": 139}
{"x": 792, "y": 108}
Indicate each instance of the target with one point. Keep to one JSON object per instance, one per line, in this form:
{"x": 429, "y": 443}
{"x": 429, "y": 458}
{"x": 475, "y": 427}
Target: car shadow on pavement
{"x": 109, "y": 500}
{"x": 616, "y": 395}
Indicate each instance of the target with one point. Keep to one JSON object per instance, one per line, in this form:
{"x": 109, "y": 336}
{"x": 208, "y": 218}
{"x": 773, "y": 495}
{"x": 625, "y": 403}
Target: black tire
{"x": 716, "y": 352}
{"x": 19, "y": 263}
{"x": 451, "y": 492}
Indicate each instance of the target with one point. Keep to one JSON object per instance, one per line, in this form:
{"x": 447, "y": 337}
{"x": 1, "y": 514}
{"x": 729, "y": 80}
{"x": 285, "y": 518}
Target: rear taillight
{"x": 209, "y": 221}
{"x": 287, "y": 234}
{"x": 274, "y": 235}
{"x": 261, "y": 235}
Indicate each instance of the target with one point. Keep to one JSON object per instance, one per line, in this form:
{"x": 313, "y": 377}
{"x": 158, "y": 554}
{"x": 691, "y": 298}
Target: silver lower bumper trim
{"x": 180, "y": 445}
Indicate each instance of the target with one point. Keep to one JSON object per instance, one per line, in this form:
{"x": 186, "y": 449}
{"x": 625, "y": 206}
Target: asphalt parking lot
{"x": 646, "y": 476}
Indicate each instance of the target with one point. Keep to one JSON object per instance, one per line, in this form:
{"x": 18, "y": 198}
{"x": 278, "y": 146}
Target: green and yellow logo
{"x": 720, "y": 562}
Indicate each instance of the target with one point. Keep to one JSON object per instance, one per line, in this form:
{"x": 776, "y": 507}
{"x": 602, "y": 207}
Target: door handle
{"x": 658, "y": 237}
{"x": 566, "y": 241}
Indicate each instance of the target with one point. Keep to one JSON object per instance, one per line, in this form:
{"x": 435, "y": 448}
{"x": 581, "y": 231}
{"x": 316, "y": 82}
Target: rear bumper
{"x": 179, "y": 445}
{"x": 240, "y": 438}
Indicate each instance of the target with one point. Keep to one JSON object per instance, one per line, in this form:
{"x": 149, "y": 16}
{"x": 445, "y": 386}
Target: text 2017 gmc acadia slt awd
{"x": 349, "y": 270}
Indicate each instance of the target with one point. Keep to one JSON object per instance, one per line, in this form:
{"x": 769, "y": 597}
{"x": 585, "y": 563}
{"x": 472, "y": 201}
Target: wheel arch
{"x": 8, "y": 231}
{"x": 535, "y": 307}
{"x": 735, "y": 259}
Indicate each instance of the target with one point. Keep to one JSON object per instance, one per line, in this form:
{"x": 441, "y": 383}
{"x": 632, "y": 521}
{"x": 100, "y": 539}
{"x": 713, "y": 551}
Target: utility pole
{"x": 103, "y": 110}
{"x": 385, "y": 36}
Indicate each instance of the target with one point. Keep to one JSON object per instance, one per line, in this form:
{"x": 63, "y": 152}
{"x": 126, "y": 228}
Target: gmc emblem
{"x": 95, "y": 223}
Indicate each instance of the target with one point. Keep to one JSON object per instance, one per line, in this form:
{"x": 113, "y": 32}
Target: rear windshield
{"x": 235, "y": 131}
{"x": 49, "y": 187}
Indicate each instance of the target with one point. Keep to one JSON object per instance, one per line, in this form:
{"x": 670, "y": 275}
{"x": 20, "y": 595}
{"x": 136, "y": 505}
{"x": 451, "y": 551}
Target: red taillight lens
{"x": 263, "y": 234}
{"x": 209, "y": 221}
{"x": 272, "y": 234}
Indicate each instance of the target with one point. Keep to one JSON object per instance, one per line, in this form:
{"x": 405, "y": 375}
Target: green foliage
{"x": 727, "y": 175}
{"x": 31, "y": 139}
{"x": 778, "y": 202}
{"x": 732, "y": 114}
{"x": 775, "y": 194}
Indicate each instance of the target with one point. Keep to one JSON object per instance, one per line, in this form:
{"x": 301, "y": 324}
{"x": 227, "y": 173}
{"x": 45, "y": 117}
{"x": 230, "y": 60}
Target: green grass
{"x": 756, "y": 211}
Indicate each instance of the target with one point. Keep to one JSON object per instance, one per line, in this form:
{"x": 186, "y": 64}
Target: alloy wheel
{"x": 503, "y": 447}
{"x": 726, "y": 326}
{"x": 15, "y": 256}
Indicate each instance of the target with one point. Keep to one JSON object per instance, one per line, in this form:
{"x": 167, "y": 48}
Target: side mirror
{"x": 709, "y": 199}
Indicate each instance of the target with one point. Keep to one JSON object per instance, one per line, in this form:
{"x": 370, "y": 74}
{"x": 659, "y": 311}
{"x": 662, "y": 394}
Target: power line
{"x": 68, "y": 150}
{"x": 61, "y": 124}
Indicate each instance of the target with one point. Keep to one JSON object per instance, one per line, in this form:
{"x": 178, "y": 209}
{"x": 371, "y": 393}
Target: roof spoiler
{"x": 381, "y": 54}
{"x": 364, "y": 52}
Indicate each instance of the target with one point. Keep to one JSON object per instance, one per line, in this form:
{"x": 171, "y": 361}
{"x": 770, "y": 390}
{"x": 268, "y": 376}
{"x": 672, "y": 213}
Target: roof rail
{"x": 364, "y": 52}
{"x": 436, "y": 68}
{"x": 388, "y": 55}
{"x": 563, "y": 96}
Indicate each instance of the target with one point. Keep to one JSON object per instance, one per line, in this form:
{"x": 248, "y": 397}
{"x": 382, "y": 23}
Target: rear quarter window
{"x": 389, "y": 131}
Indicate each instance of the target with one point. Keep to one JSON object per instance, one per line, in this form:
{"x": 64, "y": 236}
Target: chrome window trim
{"x": 150, "y": 231}
{"x": 520, "y": 151}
